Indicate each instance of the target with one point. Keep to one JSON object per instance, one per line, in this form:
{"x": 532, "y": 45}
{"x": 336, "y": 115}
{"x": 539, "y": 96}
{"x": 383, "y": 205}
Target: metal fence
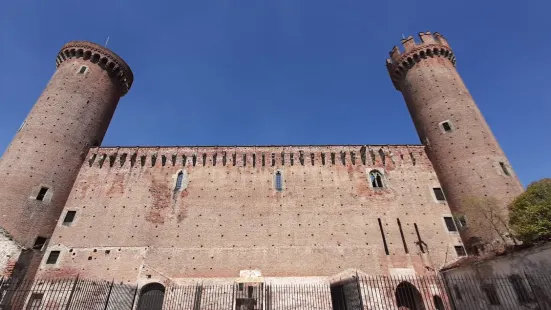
{"x": 356, "y": 293}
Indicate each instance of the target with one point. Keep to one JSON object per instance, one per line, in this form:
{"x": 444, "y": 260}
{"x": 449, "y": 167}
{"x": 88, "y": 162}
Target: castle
{"x": 304, "y": 213}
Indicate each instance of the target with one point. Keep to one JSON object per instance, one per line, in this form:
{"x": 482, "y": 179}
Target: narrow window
{"x": 376, "y": 179}
{"x": 460, "y": 250}
{"x": 402, "y": 235}
{"x": 323, "y": 159}
{"x": 332, "y": 158}
{"x": 39, "y": 243}
{"x": 278, "y": 181}
{"x": 194, "y": 159}
{"x": 447, "y": 126}
{"x": 35, "y": 301}
{"x": 179, "y": 180}
{"x": 439, "y": 194}
{"x": 461, "y": 221}
{"x": 82, "y": 69}
{"x": 523, "y": 295}
{"x": 450, "y": 225}
{"x": 42, "y": 193}
{"x": 52, "y": 258}
{"x": 419, "y": 240}
{"x": 292, "y": 159}
{"x": 254, "y": 160}
{"x": 273, "y": 159}
{"x": 244, "y": 160}
{"x": 263, "y": 160}
{"x": 312, "y": 158}
{"x": 383, "y": 235}
{"x": 234, "y": 159}
{"x": 204, "y": 159}
{"x": 214, "y": 159}
{"x": 282, "y": 158}
{"x": 504, "y": 168}
{"x": 457, "y": 292}
{"x": 491, "y": 294}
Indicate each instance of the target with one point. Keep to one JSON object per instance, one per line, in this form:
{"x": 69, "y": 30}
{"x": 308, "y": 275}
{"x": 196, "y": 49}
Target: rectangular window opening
{"x": 460, "y": 250}
{"x": 402, "y": 235}
{"x": 69, "y": 218}
{"x": 447, "y": 126}
{"x": 312, "y": 158}
{"x": 254, "y": 160}
{"x": 332, "y": 158}
{"x": 82, "y": 70}
{"x": 42, "y": 193}
{"x": 383, "y": 235}
{"x": 282, "y": 158}
{"x": 450, "y": 224}
{"x": 439, "y": 194}
{"x": 323, "y": 159}
{"x": 52, "y": 258}
{"x": 504, "y": 168}
{"x": 39, "y": 243}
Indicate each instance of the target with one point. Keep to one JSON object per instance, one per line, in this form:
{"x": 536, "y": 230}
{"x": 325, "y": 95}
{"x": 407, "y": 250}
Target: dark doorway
{"x": 408, "y": 297}
{"x": 151, "y": 297}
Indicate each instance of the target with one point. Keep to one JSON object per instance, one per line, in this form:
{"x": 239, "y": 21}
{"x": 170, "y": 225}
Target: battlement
{"x": 432, "y": 45}
{"x": 255, "y": 156}
{"x": 103, "y": 57}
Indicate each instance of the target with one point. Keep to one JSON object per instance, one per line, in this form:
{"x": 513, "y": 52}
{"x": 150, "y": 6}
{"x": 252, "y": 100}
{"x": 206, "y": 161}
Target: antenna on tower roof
{"x": 106, "y": 41}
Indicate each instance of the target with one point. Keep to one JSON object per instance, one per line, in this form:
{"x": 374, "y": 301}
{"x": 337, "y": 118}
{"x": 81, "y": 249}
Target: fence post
{"x": 72, "y": 293}
{"x": 109, "y": 294}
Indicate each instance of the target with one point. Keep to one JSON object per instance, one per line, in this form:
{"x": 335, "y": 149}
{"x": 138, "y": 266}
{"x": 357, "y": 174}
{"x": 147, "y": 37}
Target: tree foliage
{"x": 530, "y": 212}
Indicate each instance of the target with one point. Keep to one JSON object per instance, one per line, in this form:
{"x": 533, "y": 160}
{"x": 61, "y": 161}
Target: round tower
{"x": 476, "y": 177}
{"x": 71, "y": 115}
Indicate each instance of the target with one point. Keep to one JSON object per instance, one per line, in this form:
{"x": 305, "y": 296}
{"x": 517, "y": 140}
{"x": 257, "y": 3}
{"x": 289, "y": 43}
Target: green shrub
{"x": 530, "y": 212}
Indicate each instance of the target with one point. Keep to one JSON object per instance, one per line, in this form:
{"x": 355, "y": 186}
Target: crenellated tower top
{"x": 432, "y": 45}
{"x": 103, "y": 57}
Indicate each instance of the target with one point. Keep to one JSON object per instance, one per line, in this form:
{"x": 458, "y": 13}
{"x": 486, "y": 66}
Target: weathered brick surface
{"x": 71, "y": 114}
{"x": 230, "y": 217}
{"x": 467, "y": 159}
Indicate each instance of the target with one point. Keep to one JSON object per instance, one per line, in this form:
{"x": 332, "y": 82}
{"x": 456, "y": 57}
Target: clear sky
{"x": 257, "y": 72}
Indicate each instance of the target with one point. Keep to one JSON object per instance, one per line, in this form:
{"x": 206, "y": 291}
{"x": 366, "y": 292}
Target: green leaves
{"x": 530, "y": 212}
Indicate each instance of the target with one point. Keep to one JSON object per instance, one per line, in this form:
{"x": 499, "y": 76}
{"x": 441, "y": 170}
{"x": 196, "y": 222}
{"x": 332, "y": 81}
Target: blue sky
{"x": 230, "y": 72}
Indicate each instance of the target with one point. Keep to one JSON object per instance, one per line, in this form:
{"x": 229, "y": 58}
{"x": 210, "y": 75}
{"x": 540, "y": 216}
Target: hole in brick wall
{"x": 107, "y": 252}
{"x": 39, "y": 243}
{"x": 42, "y": 193}
{"x": 263, "y": 160}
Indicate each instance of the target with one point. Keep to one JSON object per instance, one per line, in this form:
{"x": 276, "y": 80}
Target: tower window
{"x": 278, "y": 181}
{"x": 460, "y": 250}
{"x": 376, "y": 179}
{"x": 39, "y": 243}
{"x": 69, "y": 218}
{"x": 179, "y": 180}
{"x": 504, "y": 168}
{"x": 42, "y": 193}
{"x": 450, "y": 224}
{"x": 439, "y": 194}
{"x": 52, "y": 258}
{"x": 82, "y": 69}
{"x": 446, "y": 126}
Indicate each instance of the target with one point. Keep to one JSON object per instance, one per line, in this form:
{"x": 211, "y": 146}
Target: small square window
{"x": 69, "y": 218}
{"x": 450, "y": 225}
{"x": 504, "y": 168}
{"x": 446, "y": 126}
{"x": 460, "y": 250}
{"x": 42, "y": 193}
{"x": 52, "y": 258}
{"x": 82, "y": 70}
{"x": 439, "y": 194}
{"x": 39, "y": 243}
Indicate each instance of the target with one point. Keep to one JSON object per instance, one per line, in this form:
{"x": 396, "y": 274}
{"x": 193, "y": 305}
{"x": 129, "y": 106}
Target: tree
{"x": 530, "y": 212}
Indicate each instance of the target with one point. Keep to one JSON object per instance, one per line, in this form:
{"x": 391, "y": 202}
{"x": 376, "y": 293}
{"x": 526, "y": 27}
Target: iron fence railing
{"x": 355, "y": 293}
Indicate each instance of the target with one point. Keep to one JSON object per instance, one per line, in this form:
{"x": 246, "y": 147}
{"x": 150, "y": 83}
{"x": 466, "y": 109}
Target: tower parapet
{"x": 471, "y": 166}
{"x": 114, "y": 65}
{"x": 431, "y": 46}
